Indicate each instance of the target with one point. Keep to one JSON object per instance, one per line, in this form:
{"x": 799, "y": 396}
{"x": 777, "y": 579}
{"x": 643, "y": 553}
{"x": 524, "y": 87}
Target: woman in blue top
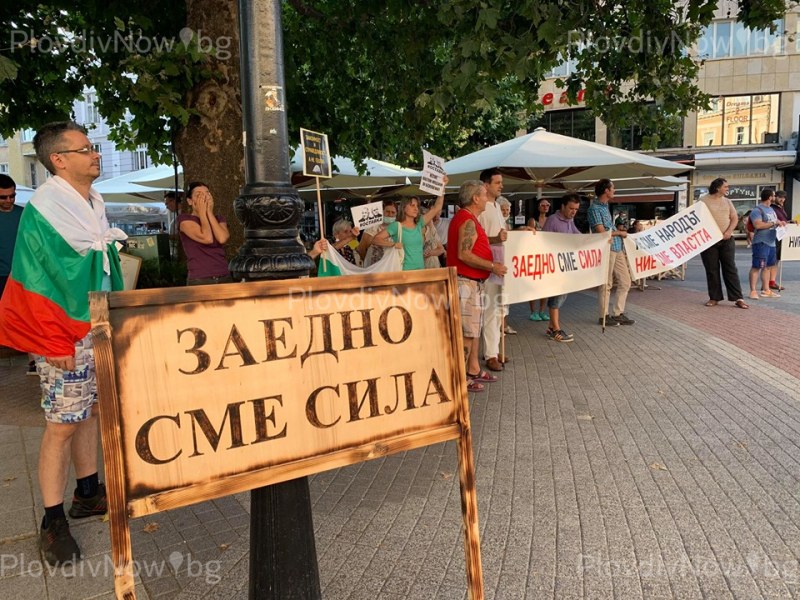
{"x": 413, "y": 224}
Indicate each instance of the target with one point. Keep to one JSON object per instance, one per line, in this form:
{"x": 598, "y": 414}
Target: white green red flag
{"x": 333, "y": 264}
{"x": 64, "y": 250}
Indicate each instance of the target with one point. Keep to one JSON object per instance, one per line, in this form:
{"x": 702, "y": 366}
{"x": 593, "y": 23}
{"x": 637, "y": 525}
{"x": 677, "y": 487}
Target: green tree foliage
{"x": 381, "y": 78}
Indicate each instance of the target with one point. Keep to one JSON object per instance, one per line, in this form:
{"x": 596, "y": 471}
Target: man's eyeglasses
{"x": 84, "y": 150}
{"x": 7, "y": 196}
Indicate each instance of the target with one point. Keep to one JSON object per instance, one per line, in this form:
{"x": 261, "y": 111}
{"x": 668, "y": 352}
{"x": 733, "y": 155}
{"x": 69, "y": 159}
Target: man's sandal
{"x": 483, "y": 376}
{"x": 474, "y": 386}
{"x": 712, "y": 303}
{"x": 740, "y": 304}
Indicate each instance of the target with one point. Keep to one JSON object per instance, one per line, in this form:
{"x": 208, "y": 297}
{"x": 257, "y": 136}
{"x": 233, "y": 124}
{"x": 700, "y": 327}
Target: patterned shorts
{"x": 470, "y": 294}
{"x": 68, "y": 396}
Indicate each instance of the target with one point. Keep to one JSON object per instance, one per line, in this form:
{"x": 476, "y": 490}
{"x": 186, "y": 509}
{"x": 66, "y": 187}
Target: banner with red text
{"x": 672, "y": 242}
{"x": 551, "y": 264}
{"x": 790, "y": 244}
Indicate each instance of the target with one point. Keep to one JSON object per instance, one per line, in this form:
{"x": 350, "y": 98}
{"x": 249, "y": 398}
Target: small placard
{"x": 316, "y": 155}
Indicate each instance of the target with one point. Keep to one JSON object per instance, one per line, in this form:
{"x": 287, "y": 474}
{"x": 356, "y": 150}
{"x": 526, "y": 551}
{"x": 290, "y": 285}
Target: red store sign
{"x": 548, "y": 99}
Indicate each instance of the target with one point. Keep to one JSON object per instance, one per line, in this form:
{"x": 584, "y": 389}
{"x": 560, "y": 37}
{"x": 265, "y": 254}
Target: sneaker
{"x": 57, "y": 543}
{"x": 623, "y": 320}
{"x": 544, "y": 316}
{"x": 32, "y": 368}
{"x": 610, "y": 321}
{"x": 509, "y": 330}
{"x": 769, "y": 294}
{"x": 549, "y": 332}
{"x": 559, "y": 335}
{"x": 89, "y": 507}
{"x": 753, "y": 295}
{"x": 535, "y": 316}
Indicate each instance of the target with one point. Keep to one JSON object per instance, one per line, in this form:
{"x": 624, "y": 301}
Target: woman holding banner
{"x": 408, "y": 231}
{"x": 538, "y": 307}
{"x": 722, "y": 255}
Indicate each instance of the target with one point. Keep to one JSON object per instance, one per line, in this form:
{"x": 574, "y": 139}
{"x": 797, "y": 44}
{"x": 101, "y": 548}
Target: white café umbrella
{"x": 545, "y": 157}
{"x": 120, "y": 189}
{"x": 159, "y": 176}
{"x": 377, "y": 174}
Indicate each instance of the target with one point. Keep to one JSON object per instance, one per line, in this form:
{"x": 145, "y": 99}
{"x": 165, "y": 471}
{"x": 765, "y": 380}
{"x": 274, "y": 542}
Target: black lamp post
{"x": 283, "y": 562}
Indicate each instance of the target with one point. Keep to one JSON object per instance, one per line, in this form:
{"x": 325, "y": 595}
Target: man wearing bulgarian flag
{"x": 64, "y": 250}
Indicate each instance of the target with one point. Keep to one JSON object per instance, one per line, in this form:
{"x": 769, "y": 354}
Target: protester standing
{"x": 619, "y": 276}
{"x": 777, "y": 205}
{"x": 765, "y": 222}
{"x": 203, "y": 235}
{"x": 493, "y": 223}
{"x": 562, "y": 221}
{"x": 65, "y": 249}
{"x": 407, "y": 232}
{"x": 722, "y": 255}
{"x": 469, "y": 252}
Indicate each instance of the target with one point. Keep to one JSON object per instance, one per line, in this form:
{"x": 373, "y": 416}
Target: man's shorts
{"x": 68, "y": 396}
{"x": 557, "y": 301}
{"x": 470, "y": 294}
{"x": 763, "y": 256}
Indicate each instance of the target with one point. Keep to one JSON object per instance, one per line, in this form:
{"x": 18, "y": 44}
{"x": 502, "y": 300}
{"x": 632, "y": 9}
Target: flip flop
{"x": 712, "y": 303}
{"x": 483, "y": 376}
{"x": 741, "y": 304}
{"x": 474, "y": 386}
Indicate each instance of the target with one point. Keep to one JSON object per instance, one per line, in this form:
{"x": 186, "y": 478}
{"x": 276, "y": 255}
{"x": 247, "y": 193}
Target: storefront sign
{"x": 750, "y": 176}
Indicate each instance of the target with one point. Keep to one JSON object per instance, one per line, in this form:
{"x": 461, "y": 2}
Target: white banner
{"x": 672, "y": 242}
{"x": 432, "y": 180}
{"x": 790, "y": 248}
{"x": 551, "y": 264}
{"x": 367, "y": 215}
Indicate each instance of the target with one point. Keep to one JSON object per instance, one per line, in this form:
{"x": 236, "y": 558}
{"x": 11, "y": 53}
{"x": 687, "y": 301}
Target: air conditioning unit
{"x": 771, "y": 138}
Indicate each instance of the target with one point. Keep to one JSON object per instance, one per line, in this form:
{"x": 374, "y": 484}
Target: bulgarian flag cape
{"x": 333, "y": 264}
{"x": 64, "y": 250}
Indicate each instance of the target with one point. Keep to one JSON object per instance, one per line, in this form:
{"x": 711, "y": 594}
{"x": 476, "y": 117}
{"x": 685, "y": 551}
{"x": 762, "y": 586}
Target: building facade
{"x": 18, "y": 159}
{"x": 748, "y": 135}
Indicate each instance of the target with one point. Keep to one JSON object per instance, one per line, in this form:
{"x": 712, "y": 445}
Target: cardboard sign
{"x": 432, "y": 180}
{"x": 212, "y": 390}
{"x": 130, "y": 265}
{"x": 672, "y": 242}
{"x": 790, "y": 244}
{"x": 316, "y": 154}
{"x": 367, "y": 215}
{"x": 550, "y": 264}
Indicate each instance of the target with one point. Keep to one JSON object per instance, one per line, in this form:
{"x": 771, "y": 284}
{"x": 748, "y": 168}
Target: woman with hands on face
{"x": 203, "y": 235}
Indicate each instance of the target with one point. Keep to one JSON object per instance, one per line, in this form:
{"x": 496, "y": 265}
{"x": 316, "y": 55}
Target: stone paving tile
{"x": 656, "y": 461}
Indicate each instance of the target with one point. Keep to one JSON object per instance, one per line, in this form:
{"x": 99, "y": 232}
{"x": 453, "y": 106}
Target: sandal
{"x": 482, "y": 376}
{"x": 474, "y": 386}
{"x": 712, "y": 303}
{"x": 740, "y": 304}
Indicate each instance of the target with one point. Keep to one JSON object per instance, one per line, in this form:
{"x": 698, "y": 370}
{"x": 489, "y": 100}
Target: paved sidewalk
{"x": 655, "y": 461}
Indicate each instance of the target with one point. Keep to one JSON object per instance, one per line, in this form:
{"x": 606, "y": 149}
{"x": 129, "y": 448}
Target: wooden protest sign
{"x": 316, "y": 164}
{"x": 208, "y": 391}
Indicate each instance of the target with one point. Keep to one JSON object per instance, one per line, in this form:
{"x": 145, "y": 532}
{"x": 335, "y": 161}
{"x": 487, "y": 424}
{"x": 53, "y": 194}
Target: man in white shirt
{"x": 494, "y": 224}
